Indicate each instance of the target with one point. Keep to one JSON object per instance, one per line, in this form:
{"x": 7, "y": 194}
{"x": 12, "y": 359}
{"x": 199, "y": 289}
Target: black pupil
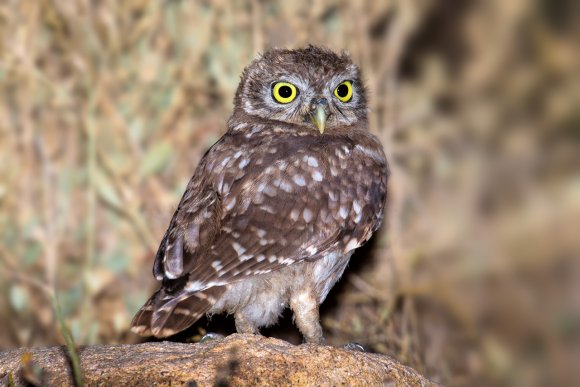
{"x": 285, "y": 91}
{"x": 342, "y": 90}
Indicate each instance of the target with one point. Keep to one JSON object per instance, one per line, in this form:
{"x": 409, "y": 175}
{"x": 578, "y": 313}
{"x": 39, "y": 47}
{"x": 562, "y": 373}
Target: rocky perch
{"x": 234, "y": 360}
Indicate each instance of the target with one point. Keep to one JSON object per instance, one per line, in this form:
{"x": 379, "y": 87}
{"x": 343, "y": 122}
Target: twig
{"x": 69, "y": 341}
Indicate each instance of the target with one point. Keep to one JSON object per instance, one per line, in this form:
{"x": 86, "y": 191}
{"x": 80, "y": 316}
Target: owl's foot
{"x": 355, "y": 347}
{"x": 243, "y": 324}
{"x": 306, "y": 317}
{"x": 210, "y": 336}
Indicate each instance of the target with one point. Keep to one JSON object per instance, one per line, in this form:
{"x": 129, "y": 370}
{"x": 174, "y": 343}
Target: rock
{"x": 234, "y": 360}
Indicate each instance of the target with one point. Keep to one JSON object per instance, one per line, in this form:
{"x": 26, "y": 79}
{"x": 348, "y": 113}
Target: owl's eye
{"x": 284, "y": 92}
{"x": 344, "y": 91}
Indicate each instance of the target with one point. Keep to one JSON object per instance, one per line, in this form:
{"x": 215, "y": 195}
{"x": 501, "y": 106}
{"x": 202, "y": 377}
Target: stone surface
{"x": 234, "y": 360}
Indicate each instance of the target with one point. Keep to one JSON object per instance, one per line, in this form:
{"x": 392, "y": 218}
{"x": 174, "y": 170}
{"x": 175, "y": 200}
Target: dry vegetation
{"x": 106, "y": 107}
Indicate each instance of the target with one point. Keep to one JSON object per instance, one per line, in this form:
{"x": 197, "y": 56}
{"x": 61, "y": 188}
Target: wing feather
{"x": 254, "y": 208}
{"x": 284, "y": 215}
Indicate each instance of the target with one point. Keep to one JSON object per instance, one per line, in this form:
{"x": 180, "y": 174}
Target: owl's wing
{"x": 293, "y": 205}
{"x": 190, "y": 234}
{"x": 191, "y": 231}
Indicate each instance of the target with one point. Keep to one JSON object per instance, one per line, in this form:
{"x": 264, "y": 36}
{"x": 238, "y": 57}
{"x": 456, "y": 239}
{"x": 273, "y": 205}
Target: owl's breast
{"x": 331, "y": 187}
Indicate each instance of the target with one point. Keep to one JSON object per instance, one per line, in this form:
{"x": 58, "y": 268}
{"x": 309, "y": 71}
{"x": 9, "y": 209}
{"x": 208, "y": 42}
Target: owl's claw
{"x": 210, "y": 336}
{"x": 355, "y": 347}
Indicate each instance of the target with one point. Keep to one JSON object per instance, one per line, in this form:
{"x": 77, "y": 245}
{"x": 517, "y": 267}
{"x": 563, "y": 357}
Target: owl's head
{"x": 310, "y": 87}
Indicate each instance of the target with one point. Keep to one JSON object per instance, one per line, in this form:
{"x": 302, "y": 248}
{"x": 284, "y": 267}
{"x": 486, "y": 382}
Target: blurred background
{"x": 107, "y": 106}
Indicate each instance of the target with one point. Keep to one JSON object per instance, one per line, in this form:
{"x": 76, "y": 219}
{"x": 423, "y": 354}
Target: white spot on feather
{"x": 239, "y": 248}
{"x": 195, "y": 286}
{"x": 370, "y": 153}
{"x": 269, "y": 209}
{"x": 270, "y": 191}
{"x": 239, "y": 126}
{"x": 351, "y": 245}
{"x": 231, "y": 203}
{"x": 245, "y": 257}
{"x": 316, "y": 175}
{"x": 243, "y": 163}
{"x": 312, "y": 161}
{"x": 311, "y": 250}
{"x": 307, "y": 215}
{"x": 285, "y": 186}
{"x": 356, "y": 206}
{"x": 299, "y": 179}
{"x": 294, "y": 214}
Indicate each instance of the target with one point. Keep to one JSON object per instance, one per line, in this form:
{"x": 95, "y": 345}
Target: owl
{"x": 277, "y": 206}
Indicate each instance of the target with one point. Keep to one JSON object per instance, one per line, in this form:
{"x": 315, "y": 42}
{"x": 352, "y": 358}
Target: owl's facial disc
{"x": 311, "y": 88}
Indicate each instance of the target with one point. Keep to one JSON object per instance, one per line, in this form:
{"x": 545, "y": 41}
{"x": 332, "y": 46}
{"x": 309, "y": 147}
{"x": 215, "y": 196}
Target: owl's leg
{"x": 306, "y": 316}
{"x": 243, "y": 325}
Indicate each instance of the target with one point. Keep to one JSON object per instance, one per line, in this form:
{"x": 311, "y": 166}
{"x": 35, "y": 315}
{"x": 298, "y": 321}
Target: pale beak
{"x": 318, "y": 117}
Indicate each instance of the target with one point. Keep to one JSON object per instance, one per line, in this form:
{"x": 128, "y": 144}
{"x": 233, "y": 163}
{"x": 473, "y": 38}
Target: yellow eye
{"x": 284, "y": 92}
{"x": 344, "y": 91}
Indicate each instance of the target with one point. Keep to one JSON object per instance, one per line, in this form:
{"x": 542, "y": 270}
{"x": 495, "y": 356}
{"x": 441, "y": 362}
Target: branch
{"x": 234, "y": 360}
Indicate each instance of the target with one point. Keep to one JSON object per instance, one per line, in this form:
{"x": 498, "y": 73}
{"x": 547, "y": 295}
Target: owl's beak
{"x": 318, "y": 117}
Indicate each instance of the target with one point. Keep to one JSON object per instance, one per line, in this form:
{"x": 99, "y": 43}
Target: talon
{"x": 355, "y": 347}
{"x": 210, "y": 336}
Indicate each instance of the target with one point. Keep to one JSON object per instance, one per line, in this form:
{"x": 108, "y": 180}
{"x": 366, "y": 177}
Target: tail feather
{"x": 163, "y": 316}
{"x": 141, "y": 323}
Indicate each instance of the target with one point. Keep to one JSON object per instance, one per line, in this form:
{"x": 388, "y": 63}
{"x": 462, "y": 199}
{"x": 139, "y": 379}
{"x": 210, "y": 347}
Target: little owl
{"x": 277, "y": 206}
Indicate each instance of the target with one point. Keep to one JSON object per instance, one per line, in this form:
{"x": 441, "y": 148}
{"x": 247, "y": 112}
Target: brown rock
{"x": 234, "y": 360}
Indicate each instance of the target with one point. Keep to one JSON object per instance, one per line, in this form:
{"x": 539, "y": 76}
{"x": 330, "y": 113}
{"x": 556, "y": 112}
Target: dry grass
{"x": 107, "y": 106}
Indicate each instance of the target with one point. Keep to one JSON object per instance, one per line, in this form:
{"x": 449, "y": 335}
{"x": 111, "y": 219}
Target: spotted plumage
{"x": 276, "y": 207}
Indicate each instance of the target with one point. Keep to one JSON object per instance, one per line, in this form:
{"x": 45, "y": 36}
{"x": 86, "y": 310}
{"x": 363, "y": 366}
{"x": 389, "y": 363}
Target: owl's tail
{"x": 164, "y": 315}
